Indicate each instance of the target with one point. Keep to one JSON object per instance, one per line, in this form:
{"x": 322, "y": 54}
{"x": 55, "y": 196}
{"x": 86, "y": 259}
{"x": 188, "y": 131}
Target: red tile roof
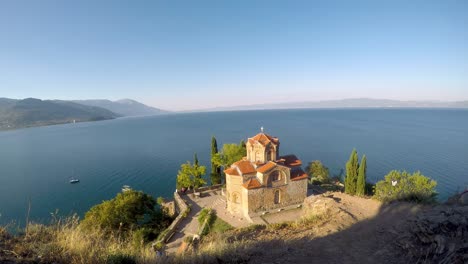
{"x": 264, "y": 139}
{"x": 290, "y": 160}
{"x": 244, "y": 166}
{"x": 298, "y": 174}
{"x": 231, "y": 171}
{"x": 252, "y": 184}
{"x": 270, "y": 165}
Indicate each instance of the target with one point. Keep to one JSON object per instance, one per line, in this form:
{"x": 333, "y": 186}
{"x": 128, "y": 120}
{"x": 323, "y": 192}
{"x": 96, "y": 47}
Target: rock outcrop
{"x": 439, "y": 235}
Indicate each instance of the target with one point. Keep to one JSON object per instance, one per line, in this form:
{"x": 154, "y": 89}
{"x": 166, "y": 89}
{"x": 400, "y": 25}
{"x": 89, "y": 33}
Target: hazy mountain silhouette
{"x": 35, "y": 112}
{"x": 347, "y": 103}
{"x": 124, "y": 107}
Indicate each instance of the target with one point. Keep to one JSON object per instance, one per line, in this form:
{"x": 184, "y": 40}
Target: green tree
{"x": 160, "y": 200}
{"x": 318, "y": 171}
{"x": 191, "y": 176}
{"x": 404, "y": 186}
{"x": 352, "y": 167}
{"x": 128, "y": 210}
{"x": 361, "y": 180}
{"x": 195, "y": 159}
{"x": 242, "y": 144}
{"x": 215, "y": 169}
{"x": 229, "y": 154}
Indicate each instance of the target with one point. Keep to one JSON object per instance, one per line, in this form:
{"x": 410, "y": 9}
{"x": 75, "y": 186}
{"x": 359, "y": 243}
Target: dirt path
{"x": 188, "y": 227}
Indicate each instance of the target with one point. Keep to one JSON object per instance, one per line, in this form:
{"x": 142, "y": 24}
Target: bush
{"x": 203, "y": 214}
{"x": 142, "y": 236}
{"x": 120, "y": 259}
{"x": 213, "y": 223}
{"x": 318, "y": 172}
{"x": 403, "y": 186}
{"x": 370, "y": 188}
{"x": 208, "y": 216}
{"x": 128, "y": 210}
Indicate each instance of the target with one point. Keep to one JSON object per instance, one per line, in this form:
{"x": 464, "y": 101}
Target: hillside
{"x": 339, "y": 228}
{"x": 335, "y": 228}
{"x": 124, "y": 107}
{"x": 35, "y": 112}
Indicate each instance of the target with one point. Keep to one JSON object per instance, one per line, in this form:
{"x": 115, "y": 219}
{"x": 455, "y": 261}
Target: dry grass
{"x": 303, "y": 222}
{"x": 237, "y": 246}
{"x": 65, "y": 242}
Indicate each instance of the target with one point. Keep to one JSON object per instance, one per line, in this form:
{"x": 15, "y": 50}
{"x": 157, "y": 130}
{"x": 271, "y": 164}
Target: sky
{"x": 181, "y": 55}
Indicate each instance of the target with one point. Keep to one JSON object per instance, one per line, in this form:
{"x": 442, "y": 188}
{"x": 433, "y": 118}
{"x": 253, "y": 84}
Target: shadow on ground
{"x": 376, "y": 240}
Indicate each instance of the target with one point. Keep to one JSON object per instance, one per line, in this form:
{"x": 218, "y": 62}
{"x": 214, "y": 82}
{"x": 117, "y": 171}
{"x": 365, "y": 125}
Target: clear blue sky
{"x": 196, "y": 54}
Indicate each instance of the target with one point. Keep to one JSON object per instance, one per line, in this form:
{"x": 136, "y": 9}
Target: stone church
{"x": 264, "y": 180}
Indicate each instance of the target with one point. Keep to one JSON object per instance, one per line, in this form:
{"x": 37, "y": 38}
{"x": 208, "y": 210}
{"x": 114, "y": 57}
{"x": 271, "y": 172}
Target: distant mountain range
{"x": 345, "y": 103}
{"x": 124, "y": 107}
{"x": 35, "y": 112}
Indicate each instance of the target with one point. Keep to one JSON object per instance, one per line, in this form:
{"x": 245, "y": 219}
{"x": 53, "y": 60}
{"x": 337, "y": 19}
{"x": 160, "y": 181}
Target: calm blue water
{"x": 146, "y": 153}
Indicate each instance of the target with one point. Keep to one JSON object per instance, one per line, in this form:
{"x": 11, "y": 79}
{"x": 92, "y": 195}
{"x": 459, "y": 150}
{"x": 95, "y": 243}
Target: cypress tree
{"x": 215, "y": 170}
{"x": 361, "y": 180}
{"x": 352, "y": 167}
{"x": 195, "y": 159}
{"x": 243, "y": 145}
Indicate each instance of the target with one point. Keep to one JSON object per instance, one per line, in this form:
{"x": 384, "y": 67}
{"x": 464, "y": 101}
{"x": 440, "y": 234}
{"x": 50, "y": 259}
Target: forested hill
{"x": 35, "y": 112}
{"x": 124, "y": 107}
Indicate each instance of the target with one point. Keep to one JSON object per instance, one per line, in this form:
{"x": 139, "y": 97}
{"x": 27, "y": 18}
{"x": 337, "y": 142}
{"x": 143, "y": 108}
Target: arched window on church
{"x": 277, "y": 197}
{"x": 275, "y": 176}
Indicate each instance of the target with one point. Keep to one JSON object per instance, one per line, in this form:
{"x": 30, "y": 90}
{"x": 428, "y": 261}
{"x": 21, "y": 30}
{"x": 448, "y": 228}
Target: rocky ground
{"x": 439, "y": 235}
{"x": 335, "y": 228}
{"x": 349, "y": 230}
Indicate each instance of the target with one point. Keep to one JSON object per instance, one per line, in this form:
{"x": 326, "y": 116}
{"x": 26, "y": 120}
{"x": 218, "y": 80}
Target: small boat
{"x": 126, "y": 188}
{"x": 73, "y": 180}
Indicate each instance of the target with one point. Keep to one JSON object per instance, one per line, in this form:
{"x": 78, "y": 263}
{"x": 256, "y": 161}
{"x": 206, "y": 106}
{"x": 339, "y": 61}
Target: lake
{"x": 146, "y": 152}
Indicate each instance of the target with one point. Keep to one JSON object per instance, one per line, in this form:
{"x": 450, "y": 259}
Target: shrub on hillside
{"x": 120, "y": 259}
{"x": 318, "y": 172}
{"x": 404, "y": 186}
{"x": 129, "y": 210}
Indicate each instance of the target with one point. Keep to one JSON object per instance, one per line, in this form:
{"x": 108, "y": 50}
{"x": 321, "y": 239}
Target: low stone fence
{"x": 206, "y": 188}
{"x": 180, "y": 203}
{"x": 210, "y": 188}
{"x": 183, "y": 210}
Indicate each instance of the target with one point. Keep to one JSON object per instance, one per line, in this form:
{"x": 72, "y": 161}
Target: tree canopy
{"x": 128, "y": 210}
{"x": 191, "y": 176}
{"x": 318, "y": 171}
{"x": 404, "y": 186}
{"x": 229, "y": 154}
{"x": 215, "y": 174}
{"x": 352, "y": 167}
{"x": 361, "y": 179}
{"x": 355, "y": 180}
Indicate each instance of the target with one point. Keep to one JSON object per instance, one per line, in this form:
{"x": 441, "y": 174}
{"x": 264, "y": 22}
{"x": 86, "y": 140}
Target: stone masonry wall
{"x": 260, "y": 200}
